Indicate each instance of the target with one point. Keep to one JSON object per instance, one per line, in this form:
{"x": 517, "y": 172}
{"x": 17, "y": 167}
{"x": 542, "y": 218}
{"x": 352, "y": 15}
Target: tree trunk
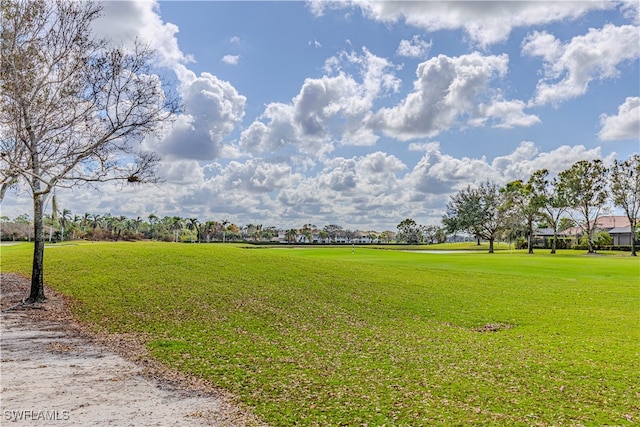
{"x": 37, "y": 273}
{"x": 590, "y": 242}
{"x": 529, "y": 243}
{"x": 553, "y": 243}
{"x": 491, "y": 245}
{"x": 632, "y": 228}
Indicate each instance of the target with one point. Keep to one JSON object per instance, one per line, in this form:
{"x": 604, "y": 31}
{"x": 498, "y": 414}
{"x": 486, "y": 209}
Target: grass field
{"x": 336, "y": 336}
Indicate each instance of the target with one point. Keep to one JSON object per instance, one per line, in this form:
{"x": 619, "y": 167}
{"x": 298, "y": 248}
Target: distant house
{"x": 543, "y": 233}
{"x": 617, "y": 226}
{"x": 607, "y": 223}
{"x": 621, "y": 236}
{"x": 542, "y": 236}
{"x": 359, "y": 237}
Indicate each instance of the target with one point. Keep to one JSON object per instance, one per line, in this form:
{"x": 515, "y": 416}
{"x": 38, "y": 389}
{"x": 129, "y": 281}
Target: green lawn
{"x": 324, "y": 336}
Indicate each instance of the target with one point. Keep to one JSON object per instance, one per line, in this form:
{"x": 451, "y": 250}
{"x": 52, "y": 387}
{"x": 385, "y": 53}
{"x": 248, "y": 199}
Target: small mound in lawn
{"x": 493, "y": 327}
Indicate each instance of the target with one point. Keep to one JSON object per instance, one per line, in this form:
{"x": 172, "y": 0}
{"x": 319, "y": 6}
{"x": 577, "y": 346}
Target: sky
{"x": 365, "y": 113}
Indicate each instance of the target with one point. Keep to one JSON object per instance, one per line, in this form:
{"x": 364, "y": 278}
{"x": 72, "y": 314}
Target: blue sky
{"x": 365, "y": 113}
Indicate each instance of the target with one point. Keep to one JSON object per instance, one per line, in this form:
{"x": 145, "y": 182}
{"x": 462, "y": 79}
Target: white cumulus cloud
{"x": 570, "y": 67}
{"x": 625, "y": 124}
{"x": 213, "y": 108}
{"x": 327, "y": 110}
{"x": 485, "y": 22}
{"x": 447, "y": 90}
{"x": 125, "y": 21}
{"x": 231, "y": 59}
{"x": 414, "y": 48}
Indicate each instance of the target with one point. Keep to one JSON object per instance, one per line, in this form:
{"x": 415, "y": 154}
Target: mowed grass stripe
{"x": 327, "y": 337}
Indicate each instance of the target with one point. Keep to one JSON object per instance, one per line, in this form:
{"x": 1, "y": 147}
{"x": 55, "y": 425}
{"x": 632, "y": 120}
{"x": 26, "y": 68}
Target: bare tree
{"x": 625, "y": 191}
{"x": 71, "y": 107}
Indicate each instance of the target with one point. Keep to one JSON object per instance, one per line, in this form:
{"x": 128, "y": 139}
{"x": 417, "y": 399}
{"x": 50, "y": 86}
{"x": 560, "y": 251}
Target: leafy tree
{"x": 525, "y": 204}
{"x": 514, "y": 230}
{"x": 553, "y": 203}
{"x": 441, "y": 235}
{"x": 566, "y": 223}
{"x": 409, "y": 231}
{"x": 71, "y": 107}
{"x": 208, "y": 229}
{"x": 217, "y": 229}
{"x": 248, "y": 231}
{"x": 269, "y": 233}
{"x": 153, "y": 220}
{"x": 625, "y": 192}
{"x": 258, "y": 233}
{"x": 16, "y": 229}
{"x": 232, "y": 231}
{"x": 333, "y": 230}
{"x": 478, "y": 211}
{"x": 430, "y": 233}
{"x": 584, "y": 187}
{"x": 387, "y": 236}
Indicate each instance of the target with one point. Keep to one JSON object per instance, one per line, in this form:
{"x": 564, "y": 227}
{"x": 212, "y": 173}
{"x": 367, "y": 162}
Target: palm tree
{"x": 153, "y": 219}
{"x": 194, "y": 224}
{"x": 247, "y": 231}
{"x": 224, "y": 229}
{"x": 85, "y": 221}
{"x": 75, "y": 223}
{"x": 136, "y": 224}
{"x": 269, "y": 232}
{"x": 291, "y": 235}
{"x": 48, "y": 220}
{"x": 165, "y": 226}
{"x": 177, "y": 226}
{"x": 232, "y": 232}
{"x": 307, "y": 232}
{"x": 94, "y": 220}
{"x": 209, "y": 229}
{"x": 64, "y": 219}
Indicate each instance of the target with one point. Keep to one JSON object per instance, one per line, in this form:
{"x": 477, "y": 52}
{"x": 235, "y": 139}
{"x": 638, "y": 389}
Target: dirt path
{"x": 54, "y": 373}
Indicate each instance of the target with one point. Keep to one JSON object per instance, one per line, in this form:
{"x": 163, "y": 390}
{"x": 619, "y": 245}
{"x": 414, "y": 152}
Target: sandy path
{"x": 52, "y": 374}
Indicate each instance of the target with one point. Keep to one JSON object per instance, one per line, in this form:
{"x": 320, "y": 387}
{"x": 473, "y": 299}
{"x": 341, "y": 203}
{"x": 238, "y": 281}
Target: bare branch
{"x": 72, "y": 109}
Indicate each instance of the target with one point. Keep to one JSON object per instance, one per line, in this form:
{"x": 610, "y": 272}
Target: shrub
{"x": 602, "y": 238}
{"x": 521, "y": 243}
{"x": 561, "y": 242}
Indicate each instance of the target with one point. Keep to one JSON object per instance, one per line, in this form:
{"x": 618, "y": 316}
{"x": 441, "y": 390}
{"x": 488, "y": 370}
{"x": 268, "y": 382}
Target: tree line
{"x": 581, "y": 192}
{"x": 488, "y": 211}
{"x": 61, "y": 225}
